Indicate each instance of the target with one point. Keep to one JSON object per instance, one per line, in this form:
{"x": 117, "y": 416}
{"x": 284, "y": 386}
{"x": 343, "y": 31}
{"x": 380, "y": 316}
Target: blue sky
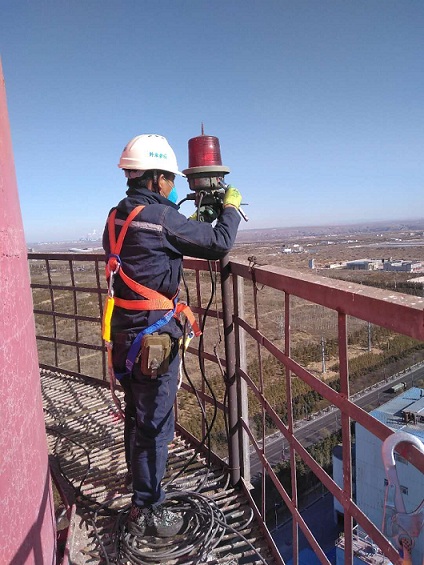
{"x": 318, "y": 104}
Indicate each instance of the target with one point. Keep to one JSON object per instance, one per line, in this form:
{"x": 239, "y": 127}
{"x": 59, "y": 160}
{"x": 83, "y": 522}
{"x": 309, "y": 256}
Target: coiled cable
{"x": 205, "y": 528}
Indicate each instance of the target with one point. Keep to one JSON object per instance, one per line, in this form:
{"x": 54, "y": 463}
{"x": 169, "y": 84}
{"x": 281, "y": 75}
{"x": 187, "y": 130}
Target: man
{"x": 152, "y": 251}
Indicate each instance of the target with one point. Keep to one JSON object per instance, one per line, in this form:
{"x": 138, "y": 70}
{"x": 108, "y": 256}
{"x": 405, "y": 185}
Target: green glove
{"x": 232, "y": 197}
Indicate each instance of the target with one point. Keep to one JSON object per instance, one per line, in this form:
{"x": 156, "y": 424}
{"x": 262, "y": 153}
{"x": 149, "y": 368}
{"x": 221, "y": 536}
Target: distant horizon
{"x": 245, "y": 228}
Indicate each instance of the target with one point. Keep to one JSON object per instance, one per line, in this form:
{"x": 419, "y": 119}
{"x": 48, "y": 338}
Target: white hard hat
{"x": 149, "y": 152}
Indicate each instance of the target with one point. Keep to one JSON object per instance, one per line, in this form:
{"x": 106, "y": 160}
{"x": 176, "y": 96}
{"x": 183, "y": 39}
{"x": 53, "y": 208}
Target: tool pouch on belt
{"x": 155, "y": 352}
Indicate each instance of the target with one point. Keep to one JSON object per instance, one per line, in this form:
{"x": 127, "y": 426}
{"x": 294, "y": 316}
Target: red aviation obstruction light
{"x": 205, "y": 168}
{"x": 204, "y": 151}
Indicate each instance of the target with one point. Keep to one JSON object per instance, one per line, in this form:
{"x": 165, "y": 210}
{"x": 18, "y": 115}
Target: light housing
{"x": 205, "y": 168}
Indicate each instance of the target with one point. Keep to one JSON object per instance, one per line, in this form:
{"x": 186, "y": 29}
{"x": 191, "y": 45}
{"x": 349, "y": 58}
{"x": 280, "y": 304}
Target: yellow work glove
{"x": 232, "y": 197}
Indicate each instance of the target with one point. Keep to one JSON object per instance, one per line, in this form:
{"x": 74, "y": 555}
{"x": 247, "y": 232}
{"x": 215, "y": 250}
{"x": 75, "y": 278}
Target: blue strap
{"x": 136, "y": 344}
{"x": 117, "y": 257}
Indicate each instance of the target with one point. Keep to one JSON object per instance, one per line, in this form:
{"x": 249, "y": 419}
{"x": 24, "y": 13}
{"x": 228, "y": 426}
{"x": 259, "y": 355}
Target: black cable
{"x": 204, "y": 530}
{"x": 203, "y": 533}
{"x": 206, "y": 436}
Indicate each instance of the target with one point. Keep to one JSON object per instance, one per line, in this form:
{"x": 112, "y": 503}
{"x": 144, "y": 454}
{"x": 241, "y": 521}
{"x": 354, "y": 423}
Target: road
{"x": 327, "y": 422}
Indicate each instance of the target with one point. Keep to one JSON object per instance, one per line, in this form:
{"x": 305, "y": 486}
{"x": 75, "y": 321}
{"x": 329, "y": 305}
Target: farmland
{"x": 373, "y": 352}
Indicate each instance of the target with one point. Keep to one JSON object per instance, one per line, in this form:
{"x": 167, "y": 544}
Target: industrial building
{"x": 364, "y": 264}
{"x": 404, "y": 413}
{"x": 403, "y": 266}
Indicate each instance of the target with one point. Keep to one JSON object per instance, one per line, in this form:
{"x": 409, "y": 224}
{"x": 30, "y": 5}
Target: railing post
{"x": 241, "y": 361}
{"x": 346, "y": 434}
{"x": 230, "y": 365}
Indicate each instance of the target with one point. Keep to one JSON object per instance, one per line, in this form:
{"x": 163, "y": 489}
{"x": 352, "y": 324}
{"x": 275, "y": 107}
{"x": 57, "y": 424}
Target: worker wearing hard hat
{"x": 145, "y": 326}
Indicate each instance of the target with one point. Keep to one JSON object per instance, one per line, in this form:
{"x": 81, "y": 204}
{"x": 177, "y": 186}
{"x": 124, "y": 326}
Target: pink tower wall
{"x": 27, "y": 524}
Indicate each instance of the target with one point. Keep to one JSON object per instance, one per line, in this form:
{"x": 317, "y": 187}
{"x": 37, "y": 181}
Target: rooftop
{"x": 392, "y": 413}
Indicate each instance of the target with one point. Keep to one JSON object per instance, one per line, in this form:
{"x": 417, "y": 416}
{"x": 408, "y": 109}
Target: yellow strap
{"x": 107, "y": 317}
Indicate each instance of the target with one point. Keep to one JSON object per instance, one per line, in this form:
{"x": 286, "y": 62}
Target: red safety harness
{"x": 149, "y": 299}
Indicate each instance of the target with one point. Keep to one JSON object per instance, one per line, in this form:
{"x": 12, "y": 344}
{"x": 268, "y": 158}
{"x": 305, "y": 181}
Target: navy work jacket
{"x": 152, "y": 253}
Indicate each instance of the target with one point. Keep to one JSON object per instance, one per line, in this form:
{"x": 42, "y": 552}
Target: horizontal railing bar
{"x": 200, "y": 264}
{"x": 196, "y": 442}
{"x": 275, "y": 552}
{"x": 51, "y": 256}
{"x": 297, "y": 516}
{"x": 399, "y": 312}
{"x": 369, "y": 527}
{"x": 211, "y": 313}
{"x": 347, "y": 503}
{"x": 70, "y": 288}
{"x": 205, "y": 355}
{"x": 205, "y": 397}
{"x": 68, "y": 316}
{"x": 78, "y": 344}
{"x": 189, "y": 262}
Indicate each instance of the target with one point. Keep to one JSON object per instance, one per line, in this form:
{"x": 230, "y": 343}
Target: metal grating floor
{"x": 85, "y": 437}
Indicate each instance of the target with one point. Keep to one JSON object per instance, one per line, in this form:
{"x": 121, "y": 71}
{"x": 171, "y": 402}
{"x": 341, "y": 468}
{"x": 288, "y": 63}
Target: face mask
{"x": 173, "y": 195}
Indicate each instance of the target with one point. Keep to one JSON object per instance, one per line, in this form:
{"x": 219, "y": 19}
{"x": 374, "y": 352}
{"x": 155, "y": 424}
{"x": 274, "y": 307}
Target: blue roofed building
{"x": 405, "y": 413}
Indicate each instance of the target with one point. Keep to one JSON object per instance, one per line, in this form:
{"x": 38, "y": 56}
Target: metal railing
{"x": 257, "y": 367}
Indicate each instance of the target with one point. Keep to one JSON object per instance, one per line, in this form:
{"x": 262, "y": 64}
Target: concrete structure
{"x": 403, "y": 413}
{"x": 339, "y": 265}
{"x": 364, "y": 264}
{"x": 27, "y": 522}
{"x": 403, "y": 266}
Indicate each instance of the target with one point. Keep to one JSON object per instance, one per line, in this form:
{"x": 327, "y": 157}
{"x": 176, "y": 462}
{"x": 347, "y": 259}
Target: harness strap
{"x": 136, "y": 344}
{"x": 180, "y": 308}
{"x": 185, "y": 309}
{"x": 160, "y": 304}
{"x": 116, "y": 244}
{"x": 148, "y": 293}
{"x": 152, "y": 300}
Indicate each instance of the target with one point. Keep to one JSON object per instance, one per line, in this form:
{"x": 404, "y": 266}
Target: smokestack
{"x": 27, "y": 522}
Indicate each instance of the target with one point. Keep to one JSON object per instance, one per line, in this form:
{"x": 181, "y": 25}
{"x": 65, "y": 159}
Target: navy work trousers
{"x": 149, "y": 427}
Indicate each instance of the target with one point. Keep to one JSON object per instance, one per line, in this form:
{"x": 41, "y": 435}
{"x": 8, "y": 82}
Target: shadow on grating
{"x": 85, "y": 437}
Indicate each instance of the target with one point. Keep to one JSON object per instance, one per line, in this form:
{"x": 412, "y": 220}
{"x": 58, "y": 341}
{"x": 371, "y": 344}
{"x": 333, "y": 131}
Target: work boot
{"x": 159, "y": 521}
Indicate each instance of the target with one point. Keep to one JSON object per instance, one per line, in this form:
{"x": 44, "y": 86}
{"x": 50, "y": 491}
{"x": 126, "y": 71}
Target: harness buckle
{"x": 114, "y": 263}
{"x": 110, "y": 290}
{"x": 113, "y": 266}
